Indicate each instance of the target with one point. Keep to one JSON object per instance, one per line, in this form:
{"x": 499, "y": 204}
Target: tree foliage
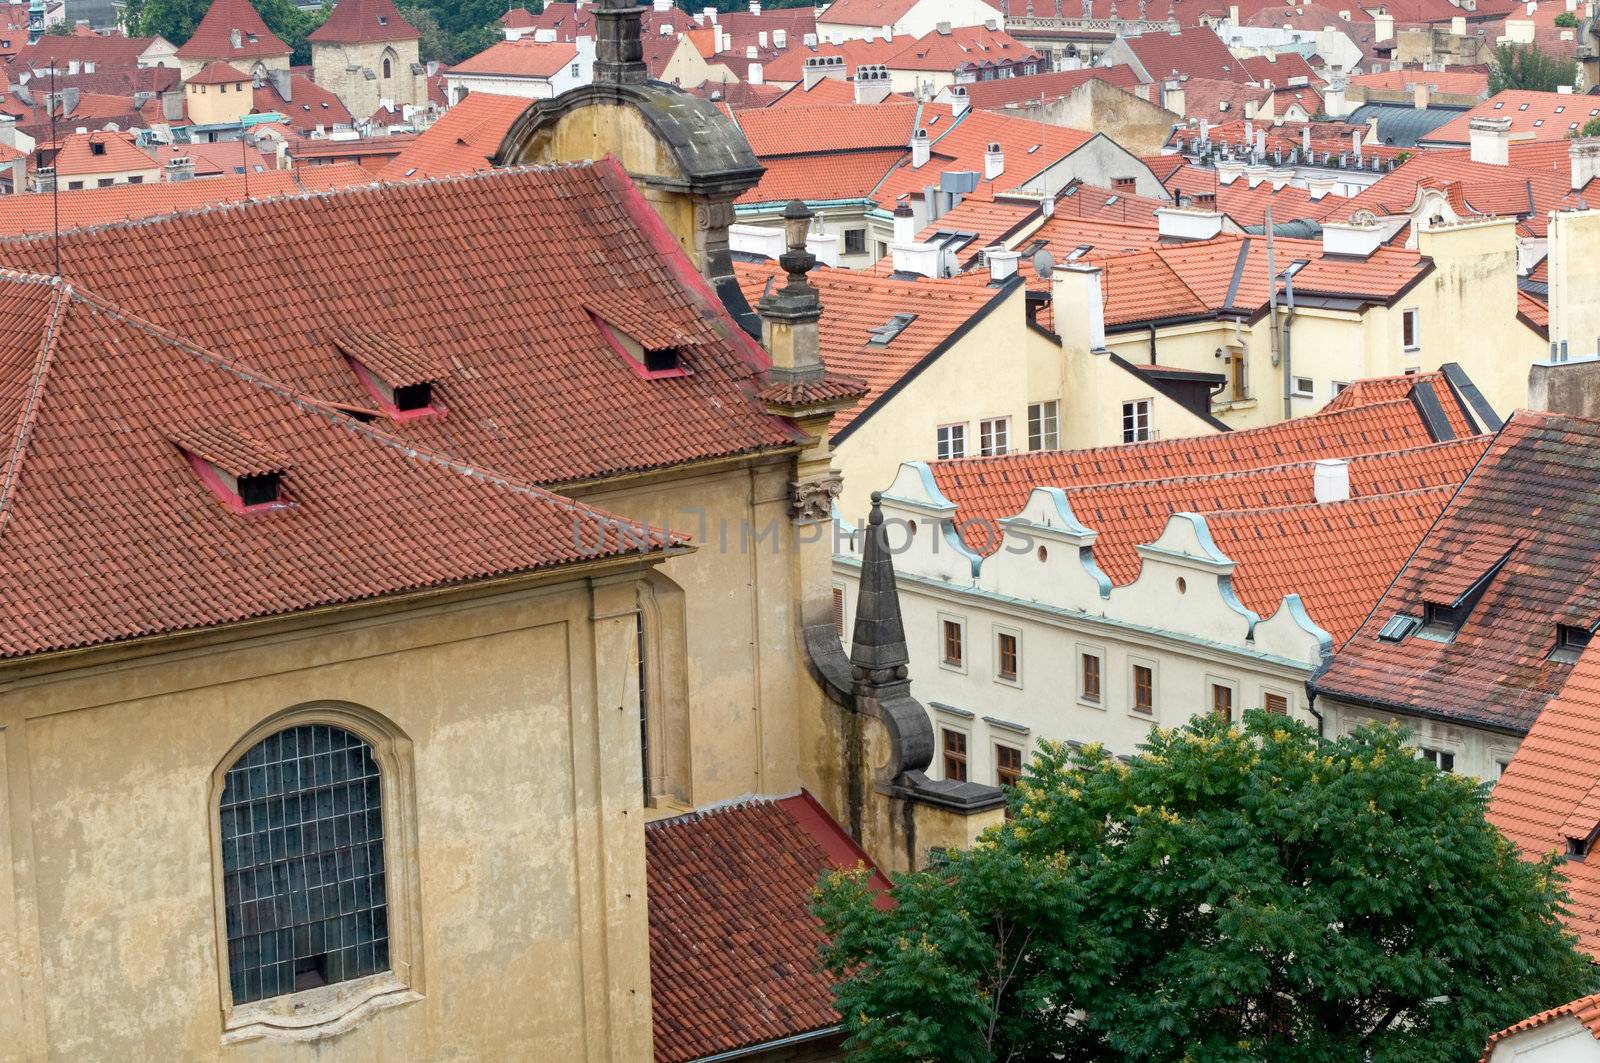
{"x": 176, "y": 19}
{"x": 1591, "y": 128}
{"x": 1234, "y": 893}
{"x": 1523, "y": 66}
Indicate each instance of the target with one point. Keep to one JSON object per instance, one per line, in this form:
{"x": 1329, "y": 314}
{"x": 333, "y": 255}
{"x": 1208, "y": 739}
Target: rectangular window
{"x": 1007, "y": 765}
{"x": 838, "y": 611}
{"x": 955, "y": 754}
{"x": 1410, "y": 335}
{"x": 1442, "y": 759}
{"x": 1091, "y": 678}
{"x": 994, "y": 436}
{"x": 1005, "y": 656}
{"x": 1302, "y": 387}
{"x": 1276, "y": 704}
{"x": 1043, "y": 426}
{"x": 1338, "y": 386}
{"x": 1222, "y": 702}
{"x": 1136, "y": 421}
{"x": 105, "y": 182}
{"x": 575, "y": 69}
{"x": 1236, "y": 377}
{"x": 952, "y": 442}
{"x": 1500, "y": 766}
{"x": 952, "y": 642}
{"x": 855, "y": 241}
{"x": 1144, "y": 689}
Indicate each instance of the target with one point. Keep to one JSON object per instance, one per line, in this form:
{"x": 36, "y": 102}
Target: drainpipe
{"x": 1272, "y": 313}
{"x": 1152, "y": 343}
{"x": 1288, "y": 320}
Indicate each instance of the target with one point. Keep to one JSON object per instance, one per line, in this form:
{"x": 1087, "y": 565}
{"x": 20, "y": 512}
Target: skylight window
{"x": 1537, "y": 122}
{"x": 1561, "y": 109}
{"x": 1398, "y": 627}
{"x": 1499, "y": 104}
{"x": 1522, "y": 107}
{"x": 885, "y": 334}
{"x": 1035, "y": 148}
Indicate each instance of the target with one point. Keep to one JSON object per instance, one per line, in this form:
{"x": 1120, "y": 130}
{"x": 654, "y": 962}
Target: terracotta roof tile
{"x": 733, "y": 943}
{"x": 101, "y": 152}
{"x": 1278, "y": 69}
{"x": 1452, "y": 82}
{"x": 1534, "y": 116}
{"x": 840, "y": 175}
{"x": 827, "y": 90}
{"x": 1534, "y": 485}
{"x": 960, "y": 143}
{"x": 875, "y": 13}
{"x": 1585, "y": 1010}
{"x": 218, "y": 73}
{"x": 998, "y": 93}
{"x": 523, "y": 58}
{"x": 801, "y": 130}
{"x": 363, "y": 21}
{"x": 1196, "y": 51}
{"x": 460, "y": 142}
{"x": 309, "y": 105}
{"x": 213, "y": 38}
{"x": 1555, "y": 773}
{"x": 963, "y": 49}
{"x": 110, "y": 51}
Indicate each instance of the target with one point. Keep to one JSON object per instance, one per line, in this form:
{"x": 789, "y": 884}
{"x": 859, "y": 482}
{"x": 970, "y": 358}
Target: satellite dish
{"x": 1044, "y": 263}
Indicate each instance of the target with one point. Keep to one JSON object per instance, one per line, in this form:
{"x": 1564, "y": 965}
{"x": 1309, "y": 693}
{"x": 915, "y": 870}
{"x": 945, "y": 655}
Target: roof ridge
{"x": 1361, "y": 501}
{"x": 27, "y": 416}
{"x": 338, "y": 417}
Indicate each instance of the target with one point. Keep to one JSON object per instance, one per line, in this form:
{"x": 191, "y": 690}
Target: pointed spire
{"x": 878, "y": 646}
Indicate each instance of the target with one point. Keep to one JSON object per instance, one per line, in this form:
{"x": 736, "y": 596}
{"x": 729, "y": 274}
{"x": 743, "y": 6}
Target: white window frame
{"x": 1040, "y": 415}
{"x": 1414, "y": 316}
{"x": 1337, "y": 388}
{"x": 1299, "y": 392}
{"x": 1154, "y": 715}
{"x": 994, "y": 437}
{"x": 1131, "y": 408}
{"x": 1433, "y": 753}
{"x": 966, "y": 643}
{"x": 1092, "y": 650}
{"x": 994, "y": 651}
{"x": 945, "y": 438}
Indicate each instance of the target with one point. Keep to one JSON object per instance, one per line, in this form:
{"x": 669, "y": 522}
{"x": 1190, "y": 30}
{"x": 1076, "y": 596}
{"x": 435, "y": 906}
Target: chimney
{"x": 943, "y": 29}
{"x": 761, "y": 39}
{"x": 1280, "y": 178}
{"x": 780, "y": 39}
{"x": 755, "y": 8}
{"x": 1078, "y": 307}
{"x": 45, "y": 178}
{"x": 789, "y": 315}
{"x": 662, "y": 6}
{"x": 1305, "y": 139}
{"x": 821, "y": 68}
{"x": 905, "y": 224}
{"x": 180, "y": 168}
{"x": 959, "y": 102}
{"x": 1333, "y": 101}
{"x": 618, "y": 46}
{"x": 1491, "y": 140}
{"x": 1382, "y": 28}
{"x": 1186, "y": 223}
{"x": 921, "y": 149}
{"x": 1458, "y": 26}
{"x": 1319, "y": 187}
{"x": 1047, "y": 206}
{"x": 1228, "y": 172}
{"x": 994, "y": 162}
{"x": 888, "y": 34}
{"x": 872, "y": 83}
{"x": 1256, "y": 174}
{"x": 755, "y": 74}
{"x": 1351, "y": 238}
{"x": 1172, "y": 96}
{"x": 1331, "y": 481}
{"x": 1419, "y": 95}
{"x": 1585, "y": 155}
{"x": 710, "y": 13}
{"x": 751, "y": 51}
{"x": 1002, "y": 263}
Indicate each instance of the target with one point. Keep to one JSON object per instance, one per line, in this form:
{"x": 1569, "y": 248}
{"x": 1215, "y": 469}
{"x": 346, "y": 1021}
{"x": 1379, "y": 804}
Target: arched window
{"x": 303, "y": 863}
{"x": 388, "y": 67}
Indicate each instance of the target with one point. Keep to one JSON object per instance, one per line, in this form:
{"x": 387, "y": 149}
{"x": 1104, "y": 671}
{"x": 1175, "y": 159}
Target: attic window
{"x": 1398, "y": 627}
{"x": 885, "y": 334}
{"x": 245, "y": 474}
{"x": 383, "y": 20}
{"x": 1079, "y": 251}
{"x": 1571, "y": 641}
{"x": 399, "y": 378}
{"x": 96, "y": 147}
{"x": 1450, "y": 598}
{"x": 652, "y": 356}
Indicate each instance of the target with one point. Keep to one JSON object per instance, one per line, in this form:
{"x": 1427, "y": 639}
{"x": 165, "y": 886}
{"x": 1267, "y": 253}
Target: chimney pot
{"x": 1002, "y": 263}
{"x": 921, "y": 149}
{"x": 1331, "y": 481}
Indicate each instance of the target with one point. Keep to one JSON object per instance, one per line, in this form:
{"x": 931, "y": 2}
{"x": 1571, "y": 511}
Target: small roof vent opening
{"x": 885, "y": 333}
{"x": 244, "y": 473}
{"x": 97, "y": 147}
{"x": 399, "y": 377}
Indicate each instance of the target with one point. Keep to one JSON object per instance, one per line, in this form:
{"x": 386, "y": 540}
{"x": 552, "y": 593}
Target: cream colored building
{"x": 865, "y": 19}
{"x": 219, "y": 94}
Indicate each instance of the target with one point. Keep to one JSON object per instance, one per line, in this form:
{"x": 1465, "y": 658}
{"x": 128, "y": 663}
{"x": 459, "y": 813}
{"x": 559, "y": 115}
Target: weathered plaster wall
{"x": 342, "y": 69}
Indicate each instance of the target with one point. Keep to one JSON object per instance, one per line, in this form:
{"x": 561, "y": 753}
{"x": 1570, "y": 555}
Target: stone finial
{"x": 618, "y": 46}
{"x": 878, "y": 651}
{"x": 796, "y": 260}
{"x": 790, "y": 314}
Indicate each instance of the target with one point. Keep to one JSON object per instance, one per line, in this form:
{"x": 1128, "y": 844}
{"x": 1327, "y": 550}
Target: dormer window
{"x": 652, "y": 348}
{"x": 97, "y": 147}
{"x": 1449, "y": 598}
{"x": 244, "y": 473}
{"x": 1571, "y": 641}
{"x": 400, "y": 378}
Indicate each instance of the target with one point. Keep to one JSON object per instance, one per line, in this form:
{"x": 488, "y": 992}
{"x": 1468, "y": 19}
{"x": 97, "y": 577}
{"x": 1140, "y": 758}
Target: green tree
{"x": 435, "y": 43}
{"x": 1232, "y": 893}
{"x": 59, "y": 28}
{"x": 1523, "y": 66}
{"x": 1591, "y": 128}
{"x": 176, "y": 19}
{"x": 1567, "y": 20}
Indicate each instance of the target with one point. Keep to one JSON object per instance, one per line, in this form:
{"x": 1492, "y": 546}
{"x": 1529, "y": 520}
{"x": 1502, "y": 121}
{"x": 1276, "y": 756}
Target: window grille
{"x": 303, "y": 863}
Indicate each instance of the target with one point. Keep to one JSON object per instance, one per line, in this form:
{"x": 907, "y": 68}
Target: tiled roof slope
{"x": 24, "y": 215}
{"x": 1585, "y": 1010}
{"x": 1196, "y": 51}
{"x": 965, "y": 47}
{"x": 508, "y": 260}
{"x": 837, "y": 175}
{"x": 117, "y": 153}
{"x": 854, "y": 303}
{"x": 523, "y": 58}
{"x": 830, "y": 127}
{"x": 1554, "y": 777}
{"x": 733, "y": 943}
{"x": 218, "y": 73}
{"x": 874, "y": 13}
{"x": 1534, "y": 494}
{"x": 461, "y": 141}
{"x": 997, "y": 93}
{"x": 108, "y": 534}
{"x": 1028, "y": 147}
{"x": 1534, "y": 116}
{"x": 998, "y": 487}
{"x": 213, "y": 37}
{"x": 363, "y": 21}
{"x": 309, "y": 105}
{"x": 110, "y": 51}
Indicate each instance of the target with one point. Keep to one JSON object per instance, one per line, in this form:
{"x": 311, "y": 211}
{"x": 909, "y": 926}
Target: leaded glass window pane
{"x": 302, "y": 862}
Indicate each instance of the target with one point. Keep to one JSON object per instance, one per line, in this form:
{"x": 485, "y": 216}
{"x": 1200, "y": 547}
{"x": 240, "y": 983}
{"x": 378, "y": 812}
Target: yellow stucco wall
{"x": 516, "y": 866}
{"x": 217, "y": 104}
{"x": 1575, "y": 280}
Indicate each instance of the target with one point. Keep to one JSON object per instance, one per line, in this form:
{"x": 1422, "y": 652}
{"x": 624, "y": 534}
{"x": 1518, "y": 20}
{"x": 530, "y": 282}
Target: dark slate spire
{"x": 878, "y": 647}
{"x": 618, "y": 47}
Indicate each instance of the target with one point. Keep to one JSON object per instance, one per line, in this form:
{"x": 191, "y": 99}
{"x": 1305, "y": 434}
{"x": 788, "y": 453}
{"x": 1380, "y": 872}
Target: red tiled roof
{"x": 733, "y": 943}
{"x": 963, "y": 48}
{"x": 1551, "y": 787}
{"x": 854, "y": 303}
{"x": 1585, "y": 1010}
{"x": 843, "y": 175}
{"x": 1532, "y": 490}
{"x": 362, "y": 21}
{"x": 117, "y": 154}
{"x": 988, "y": 218}
{"x": 537, "y": 393}
{"x": 213, "y": 37}
{"x": 111, "y": 535}
{"x": 212, "y": 159}
{"x": 1534, "y": 116}
{"x": 1535, "y": 311}
{"x": 218, "y": 73}
{"x": 998, "y": 93}
{"x": 24, "y": 215}
{"x": 801, "y": 130}
{"x": 1196, "y": 51}
{"x": 111, "y": 52}
{"x": 1218, "y": 99}
{"x": 1452, "y": 82}
{"x": 827, "y": 90}
{"x": 461, "y": 141}
{"x": 309, "y": 105}
{"x": 1278, "y": 69}
{"x": 875, "y": 13}
{"x": 1029, "y": 147}
{"x": 525, "y": 58}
